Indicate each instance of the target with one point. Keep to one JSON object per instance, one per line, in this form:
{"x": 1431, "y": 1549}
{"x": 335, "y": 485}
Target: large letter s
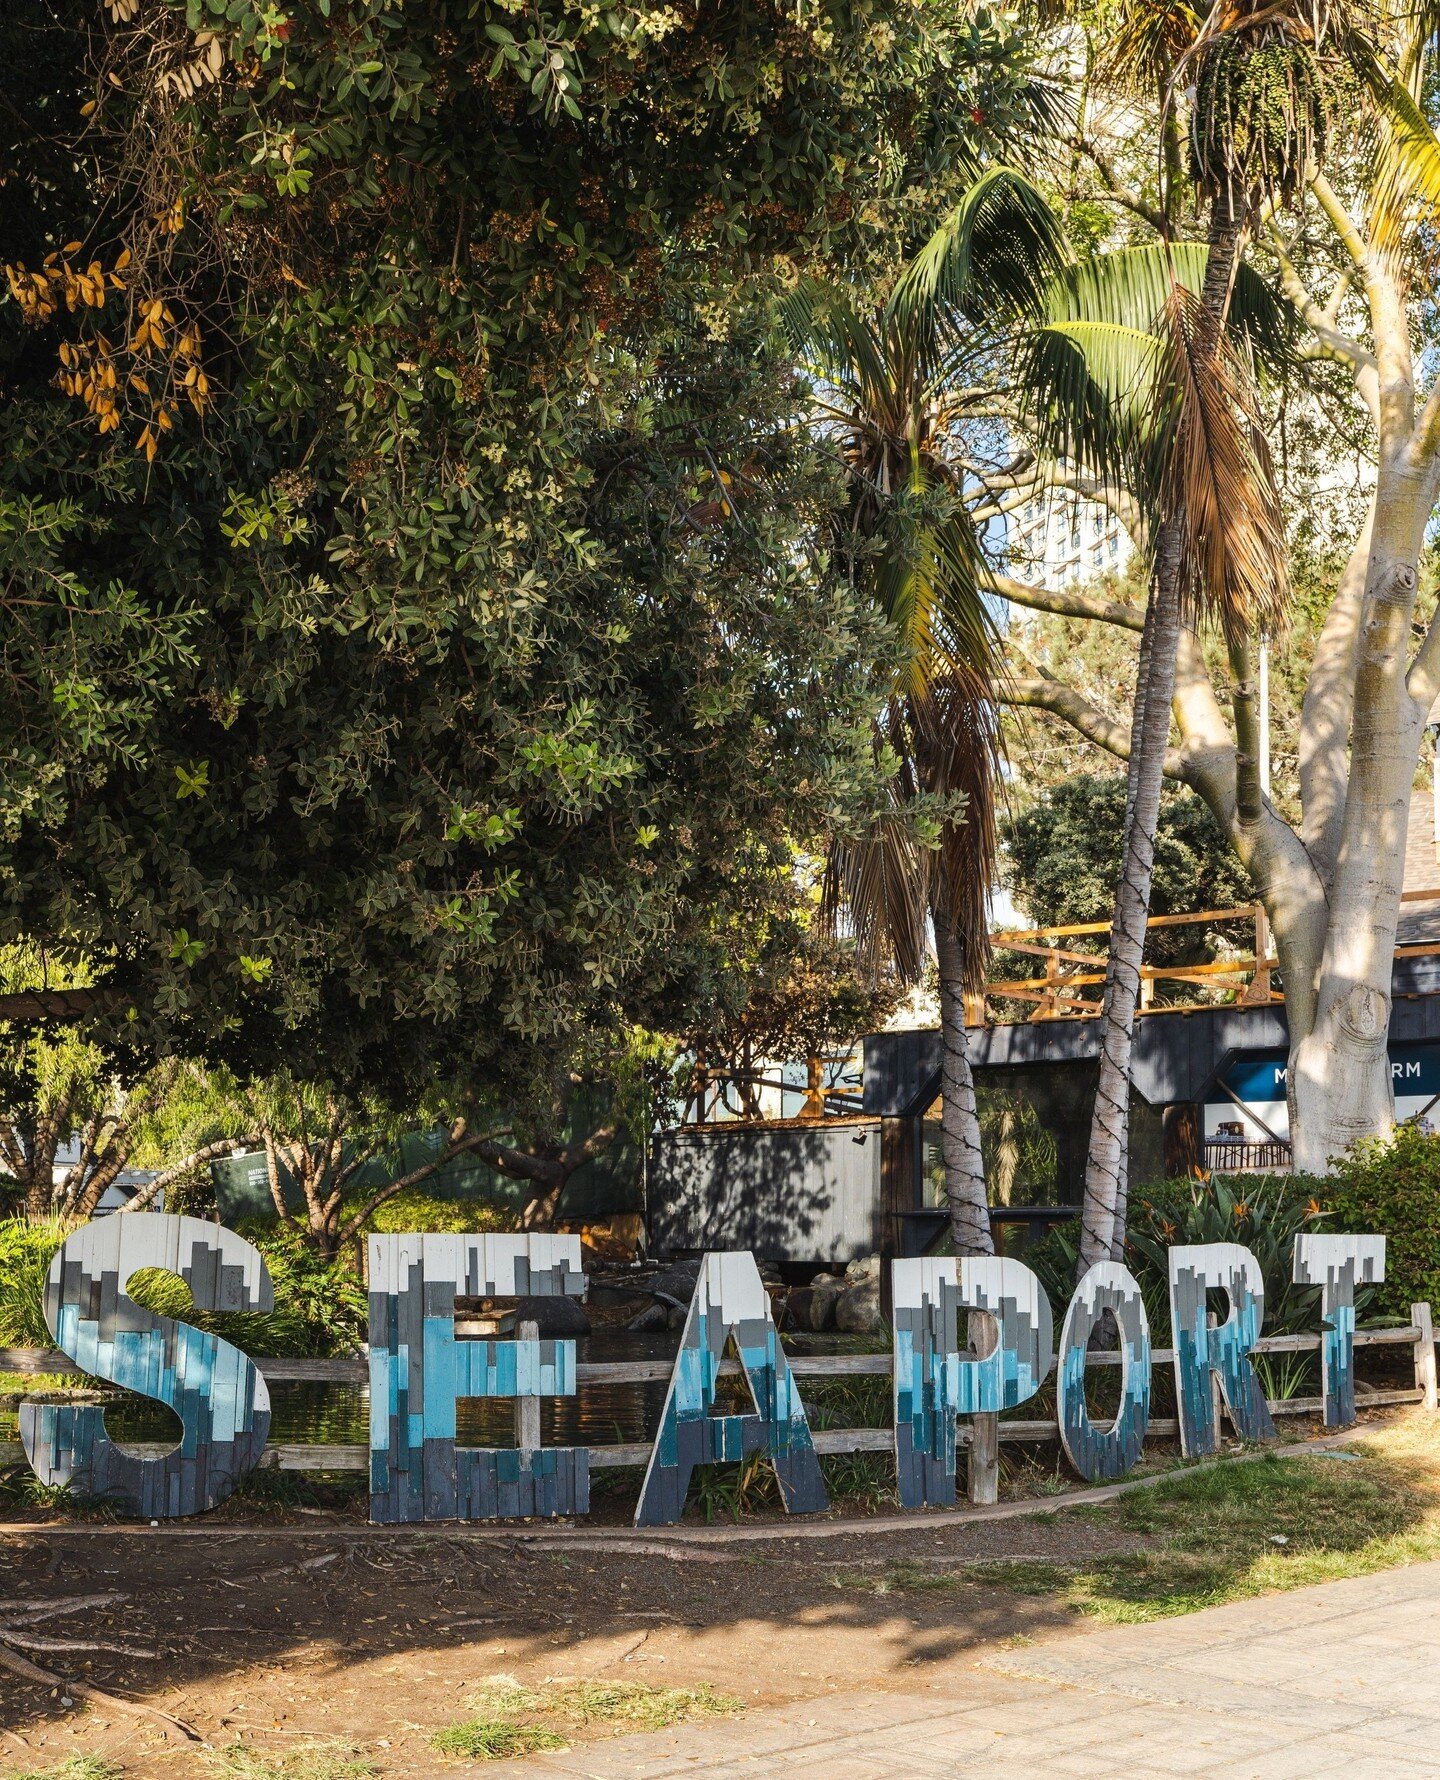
{"x": 216, "y": 1390}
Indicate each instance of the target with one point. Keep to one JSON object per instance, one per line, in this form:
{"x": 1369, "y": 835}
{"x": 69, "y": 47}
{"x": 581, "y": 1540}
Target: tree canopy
{"x": 446, "y": 641}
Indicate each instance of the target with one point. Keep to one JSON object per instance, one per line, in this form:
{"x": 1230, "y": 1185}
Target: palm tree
{"x": 1193, "y": 444}
{"x": 895, "y": 386}
{"x": 1168, "y": 398}
{"x": 1259, "y": 76}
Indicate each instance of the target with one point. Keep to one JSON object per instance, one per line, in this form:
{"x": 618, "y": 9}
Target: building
{"x": 1056, "y": 539}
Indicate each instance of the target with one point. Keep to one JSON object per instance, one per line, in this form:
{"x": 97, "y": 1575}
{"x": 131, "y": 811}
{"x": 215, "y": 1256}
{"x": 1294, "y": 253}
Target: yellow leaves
{"x": 159, "y": 362}
{"x": 171, "y": 219}
{"x": 149, "y": 440}
{"x": 40, "y": 293}
{"x": 34, "y": 291}
{"x": 122, "y": 11}
{"x": 205, "y": 67}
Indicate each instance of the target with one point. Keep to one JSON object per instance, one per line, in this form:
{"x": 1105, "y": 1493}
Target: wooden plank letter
{"x": 1337, "y": 1264}
{"x": 1220, "y": 1354}
{"x": 1102, "y": 1453}
{"x": 935, "y": 1383}
{"x": 419, "y": 1371}
{"x": 730, "y": 1302}
{"x": 215, "y": 1389}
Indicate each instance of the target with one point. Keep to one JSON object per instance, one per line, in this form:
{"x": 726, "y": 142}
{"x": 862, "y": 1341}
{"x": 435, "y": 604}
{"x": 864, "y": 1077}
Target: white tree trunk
{"x": 1339, "y": 1086}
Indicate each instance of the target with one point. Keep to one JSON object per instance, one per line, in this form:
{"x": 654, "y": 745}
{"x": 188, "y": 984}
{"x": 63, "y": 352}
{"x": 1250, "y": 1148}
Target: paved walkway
{"x": 1337, "y": 1678}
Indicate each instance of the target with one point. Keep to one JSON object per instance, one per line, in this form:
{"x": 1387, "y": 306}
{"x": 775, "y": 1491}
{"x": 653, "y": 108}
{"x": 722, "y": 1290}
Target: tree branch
{"x": 1123, "y": 194}
{"x": 1070, "y": 602}
{"x": 1331, "y": 342}
{"x": 1043, "y": 694}
{"x": 151, "y": 1191}
{"x": 457, "y": 1144}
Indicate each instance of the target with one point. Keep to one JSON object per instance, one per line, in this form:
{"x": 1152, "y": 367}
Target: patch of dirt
{"x": 377, "y": 1638}
{"x": 270, "y": 1633}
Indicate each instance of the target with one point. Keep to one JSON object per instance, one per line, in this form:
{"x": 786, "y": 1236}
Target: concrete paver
{"x": 1326, "y": 1680}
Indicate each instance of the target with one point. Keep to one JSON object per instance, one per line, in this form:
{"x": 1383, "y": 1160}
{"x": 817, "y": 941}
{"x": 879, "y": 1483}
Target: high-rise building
{"x": 1054, "y": 540}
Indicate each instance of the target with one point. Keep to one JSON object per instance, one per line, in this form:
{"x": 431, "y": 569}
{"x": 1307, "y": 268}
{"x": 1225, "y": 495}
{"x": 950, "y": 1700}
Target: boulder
{"x": 557, "y": 1317}
{"x": 857, "y": 1311}
{"x": 825, "y": 1291}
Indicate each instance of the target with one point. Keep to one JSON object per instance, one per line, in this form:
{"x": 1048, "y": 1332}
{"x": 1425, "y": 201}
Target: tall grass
{"x": 25, "y": 1251}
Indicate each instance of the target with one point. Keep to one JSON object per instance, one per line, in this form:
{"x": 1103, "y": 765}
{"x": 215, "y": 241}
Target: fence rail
{"x": 1418, "y": 1334}
{"x": 1057, "y": 995}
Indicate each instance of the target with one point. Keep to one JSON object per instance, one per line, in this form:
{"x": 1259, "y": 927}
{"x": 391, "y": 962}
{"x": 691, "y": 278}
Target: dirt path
{"x": 270, "y": 1635}
{"x": 376, "y": 1641}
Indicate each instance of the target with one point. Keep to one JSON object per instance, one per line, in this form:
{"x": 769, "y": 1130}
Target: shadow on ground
{"x": 378, "y": 1638}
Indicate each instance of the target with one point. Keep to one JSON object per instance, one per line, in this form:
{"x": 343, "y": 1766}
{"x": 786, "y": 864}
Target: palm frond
{"x": 881, "y": 880}
{"x": 990, "y": 259}
{"x": 1131, "y": 285}
{"x": 1217, "y": 478}
{"x": 1405, "y": 187}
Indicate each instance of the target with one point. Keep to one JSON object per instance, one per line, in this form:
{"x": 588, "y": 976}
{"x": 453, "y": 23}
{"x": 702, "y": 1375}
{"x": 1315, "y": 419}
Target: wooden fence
{"x": 1059, "y": 993}
{"x": 1418, "y": 1334}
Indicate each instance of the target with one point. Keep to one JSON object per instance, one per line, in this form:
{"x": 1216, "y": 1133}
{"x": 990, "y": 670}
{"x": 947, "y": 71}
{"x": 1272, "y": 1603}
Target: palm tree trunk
{"x": 959, "y": 1121}
{"x": 1106, "y": 1203}
{"x": 1106, "y": 1183}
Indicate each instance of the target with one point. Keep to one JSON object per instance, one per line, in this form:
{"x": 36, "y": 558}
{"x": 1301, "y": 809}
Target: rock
{"x": 825, "y": 1290}
{"x": 655, "y": 1315}
{"x": 867, "y": 1267}
{"x": 858, "y": 1310}
{"x": 555, "y": 1316}
{"x": 798, "y": 1304}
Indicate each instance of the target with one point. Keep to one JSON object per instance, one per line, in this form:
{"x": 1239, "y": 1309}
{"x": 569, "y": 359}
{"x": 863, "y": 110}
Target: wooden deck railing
{"x": 1060, "y": 994}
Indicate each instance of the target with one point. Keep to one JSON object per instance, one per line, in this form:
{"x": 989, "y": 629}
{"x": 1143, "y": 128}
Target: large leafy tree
{"x": 414, "y": 406}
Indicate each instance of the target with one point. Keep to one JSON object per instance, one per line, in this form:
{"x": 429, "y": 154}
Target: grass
{"x": 505, "y": 1718}
{"x": 321, "y": 1760}
{"x": 490, "y": 1739}
{"x": 74, "y": 1767}
{"x": 1227, "y": 1532}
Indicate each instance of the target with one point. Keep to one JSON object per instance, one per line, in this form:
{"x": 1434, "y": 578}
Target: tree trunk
{"x": 1339, "y": 1086}
{"x": 959, "y": 1121}
{"x": 1102, "y": 1221}
{"x": 1106, "y": 1202}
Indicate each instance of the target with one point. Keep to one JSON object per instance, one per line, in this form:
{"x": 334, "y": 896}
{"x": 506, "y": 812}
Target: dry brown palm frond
{"x": 1218, "y": 476}
{"x": 957, "y": 744}
{"x": 881, "y": 879}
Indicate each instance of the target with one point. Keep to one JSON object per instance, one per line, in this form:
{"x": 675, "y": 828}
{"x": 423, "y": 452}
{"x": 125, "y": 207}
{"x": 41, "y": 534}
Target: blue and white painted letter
{"x": 1101, "y": 1453}
{"x": 216, "y": 1391}
{"x": 730, "y": 1301}
{"x": 419, "y": 1371}
{"x": 935, "y": 1383}
{"x": 1202, "y": 1353}
{"x": 1337, "y": 1264}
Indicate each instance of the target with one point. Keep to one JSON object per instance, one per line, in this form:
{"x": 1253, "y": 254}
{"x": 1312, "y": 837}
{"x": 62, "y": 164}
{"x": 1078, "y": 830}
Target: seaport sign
{"x": 420, "y": 1370}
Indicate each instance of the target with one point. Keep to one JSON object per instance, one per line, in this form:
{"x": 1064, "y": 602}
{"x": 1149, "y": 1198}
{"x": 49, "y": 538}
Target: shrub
{"x": 1392, "y": 1189}
{"x": 1263, "y": 1212}
{"x": 415, "y": 1210}
{"x": 25, "y": 1251}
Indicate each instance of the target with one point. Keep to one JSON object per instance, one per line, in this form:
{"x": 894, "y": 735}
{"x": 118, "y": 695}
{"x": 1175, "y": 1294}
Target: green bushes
{"x": 25, "y": 1251}
{"x": 1263, "y": 1212}
{"x": 1392, "y": 1189}
{"x": 422, "y": 1211}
